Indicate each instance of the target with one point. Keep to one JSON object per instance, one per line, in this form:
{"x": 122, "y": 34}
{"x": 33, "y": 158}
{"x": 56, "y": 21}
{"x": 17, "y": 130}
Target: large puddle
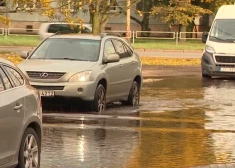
{"x": 181, "y": 122}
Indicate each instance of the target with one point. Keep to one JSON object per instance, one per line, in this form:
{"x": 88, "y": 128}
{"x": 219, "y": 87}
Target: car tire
{"x": 99, "y": 103}
{"x": 206, "y": 76}
{"x": 30, "y": 153}
{"x": 134, "y": 95}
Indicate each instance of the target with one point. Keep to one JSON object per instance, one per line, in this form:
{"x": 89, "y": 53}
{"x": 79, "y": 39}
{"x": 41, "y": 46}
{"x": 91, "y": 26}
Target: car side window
{"x": 15, "y": 76}
{"x": 53, "y": 28}
{"x": 108, "y": 48}
{"x": 129, "y": 52}
{"x": 5, "y": 80}
{"x": 120, "y": 48}
{"x": 86, "y": 30}
{"x": 1, "y": 84}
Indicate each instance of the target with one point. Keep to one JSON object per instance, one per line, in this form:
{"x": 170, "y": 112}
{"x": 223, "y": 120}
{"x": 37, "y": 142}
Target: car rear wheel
{"x": 29, "y": 154}
{"x": 99, "y": 103}
{"x": 134, "y": 95}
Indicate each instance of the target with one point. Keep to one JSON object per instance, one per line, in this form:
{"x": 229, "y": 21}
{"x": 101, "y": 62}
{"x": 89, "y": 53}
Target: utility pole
{"x": 128, "y": 18}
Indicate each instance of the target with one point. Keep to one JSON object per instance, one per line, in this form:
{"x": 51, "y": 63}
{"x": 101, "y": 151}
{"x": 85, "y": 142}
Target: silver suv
{"x": 95, "y": 68}
{"x": 20, "y": 119}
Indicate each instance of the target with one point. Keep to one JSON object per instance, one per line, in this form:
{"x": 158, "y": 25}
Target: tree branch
{"x": 132, "y": 17}
{"x": 9, "y": 11}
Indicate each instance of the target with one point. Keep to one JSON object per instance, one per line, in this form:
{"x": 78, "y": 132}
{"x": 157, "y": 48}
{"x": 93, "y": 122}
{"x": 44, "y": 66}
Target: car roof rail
{"x": 62, "y": 32}
{"x": 110, "y": 34}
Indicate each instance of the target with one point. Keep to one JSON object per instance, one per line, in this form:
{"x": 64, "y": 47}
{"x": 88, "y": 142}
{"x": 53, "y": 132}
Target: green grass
{"x": 14, "y": 40}
{"x": 168, "y": 44}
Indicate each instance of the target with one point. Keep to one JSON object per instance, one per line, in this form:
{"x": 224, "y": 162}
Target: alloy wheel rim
{"x": 30, "y": 152}
{"x": 135, "y": 95}
{"x": 101, "y": 101}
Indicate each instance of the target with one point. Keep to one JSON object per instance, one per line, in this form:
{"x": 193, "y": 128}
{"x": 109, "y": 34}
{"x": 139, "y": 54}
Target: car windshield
{"x": 223, "y": 30}
{"x": 68, "y": 49}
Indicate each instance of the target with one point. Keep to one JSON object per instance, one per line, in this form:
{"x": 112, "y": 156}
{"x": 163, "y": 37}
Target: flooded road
{"x": 181, "y": 122}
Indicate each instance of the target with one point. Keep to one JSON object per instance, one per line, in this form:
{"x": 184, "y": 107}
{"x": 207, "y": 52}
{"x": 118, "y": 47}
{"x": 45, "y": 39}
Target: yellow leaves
{"x": 5, "y": 20}
{"x": 49, "y": 13}
{"x": 12, "y": 57}
{"x": 140, "y": 13}
{"x": 169, "y": 61}
{"x": 45, "y": 3}
{"x": 146, "y": 60}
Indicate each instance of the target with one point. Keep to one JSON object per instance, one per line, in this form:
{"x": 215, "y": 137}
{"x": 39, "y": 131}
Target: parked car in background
{"x": 95, "y": 68}
{"x": 20, "y": 119}
{"x": 48, "y": 29}
{"x": 218, "y": 58}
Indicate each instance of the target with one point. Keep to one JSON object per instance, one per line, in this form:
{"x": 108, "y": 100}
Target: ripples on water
{"x": 182, "y": 122}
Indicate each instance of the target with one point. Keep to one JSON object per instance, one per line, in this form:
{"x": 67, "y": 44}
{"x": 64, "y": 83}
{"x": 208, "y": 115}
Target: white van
{"x": 48, "y": 29}
{"x": 218, "y": 58}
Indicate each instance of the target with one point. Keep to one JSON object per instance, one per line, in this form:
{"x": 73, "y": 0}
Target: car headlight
{"x": 81, "y": 77}
{"x": 209, "y": 49}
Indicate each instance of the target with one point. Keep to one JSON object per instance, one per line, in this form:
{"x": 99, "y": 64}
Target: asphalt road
{"x": 170, "y": 54}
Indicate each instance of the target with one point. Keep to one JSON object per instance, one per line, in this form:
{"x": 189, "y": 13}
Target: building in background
{"x": 31, "y": 20}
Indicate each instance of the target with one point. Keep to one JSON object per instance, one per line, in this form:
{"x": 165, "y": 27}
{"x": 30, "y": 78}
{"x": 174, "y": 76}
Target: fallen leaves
{"x": 15, "y": 58}
{"x": 146, "y": 60}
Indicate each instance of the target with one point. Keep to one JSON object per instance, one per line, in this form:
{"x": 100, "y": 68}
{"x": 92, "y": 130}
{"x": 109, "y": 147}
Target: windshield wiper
{"x": 72, "y": 59}
{"x": 230, "y": 40}
{"x": 217, "y": 38}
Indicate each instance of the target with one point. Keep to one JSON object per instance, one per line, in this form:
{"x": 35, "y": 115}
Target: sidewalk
{"x": 152, "y": 72}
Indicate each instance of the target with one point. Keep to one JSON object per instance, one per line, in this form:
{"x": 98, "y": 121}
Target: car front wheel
{"x": 29, "y": 154}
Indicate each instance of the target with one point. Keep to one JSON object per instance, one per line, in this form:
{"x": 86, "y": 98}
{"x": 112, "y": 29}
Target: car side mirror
{"x": 24, "y": 54}
{"x": 204, "y": 37}
{"x": 112, "y": 58}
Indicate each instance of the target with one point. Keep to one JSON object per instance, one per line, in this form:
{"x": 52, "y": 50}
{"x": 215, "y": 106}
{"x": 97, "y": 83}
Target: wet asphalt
{"x": 181, "y": 122}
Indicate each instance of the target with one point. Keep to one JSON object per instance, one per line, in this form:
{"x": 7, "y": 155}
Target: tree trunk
{"x": 145, "y": 25}
{"x": 183, "y": 35}
{"x": 96, "y": 23}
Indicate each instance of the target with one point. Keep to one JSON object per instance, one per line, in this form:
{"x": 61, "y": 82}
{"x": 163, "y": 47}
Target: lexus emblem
{"x": 44, "y": 75}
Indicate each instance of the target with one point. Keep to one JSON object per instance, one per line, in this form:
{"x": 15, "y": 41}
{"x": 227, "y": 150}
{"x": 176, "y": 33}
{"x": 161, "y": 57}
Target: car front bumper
{"x": 82, "y": 90}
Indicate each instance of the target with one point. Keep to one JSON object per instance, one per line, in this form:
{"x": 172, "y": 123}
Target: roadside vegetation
{"x": 150, "y": 44}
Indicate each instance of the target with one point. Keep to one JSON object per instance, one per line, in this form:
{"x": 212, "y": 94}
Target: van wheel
{"x": 134, "y": 95}
{"x": 99, "y": 103}
{"x": 206, "y": 76}
{"x": 30, "y": 149}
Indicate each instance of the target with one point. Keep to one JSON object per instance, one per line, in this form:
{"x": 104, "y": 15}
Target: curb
{"x": 158, "y": 50}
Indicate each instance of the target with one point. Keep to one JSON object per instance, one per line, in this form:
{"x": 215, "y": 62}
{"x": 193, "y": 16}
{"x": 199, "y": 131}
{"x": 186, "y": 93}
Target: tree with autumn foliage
{"x": 183, "y": 12}
{"x": 55, "y": 10}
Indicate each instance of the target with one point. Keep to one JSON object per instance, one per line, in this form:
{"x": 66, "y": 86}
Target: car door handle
{"x": 132, "y": 62}
{"x": 120, "y": 65}
{"x": 18, "y": 107}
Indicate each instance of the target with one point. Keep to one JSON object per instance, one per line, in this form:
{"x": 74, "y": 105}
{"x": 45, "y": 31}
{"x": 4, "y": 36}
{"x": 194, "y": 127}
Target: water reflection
{"x": 74, "y": 146}
{"x": 182, "y": 122}
{"x": 219, "y": 94}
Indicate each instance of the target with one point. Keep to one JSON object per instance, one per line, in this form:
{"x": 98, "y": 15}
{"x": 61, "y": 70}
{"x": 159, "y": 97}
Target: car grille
{"x": 48, "y": 87}
{"x": 225, "y": 59}
{"x": 45, "y": 75}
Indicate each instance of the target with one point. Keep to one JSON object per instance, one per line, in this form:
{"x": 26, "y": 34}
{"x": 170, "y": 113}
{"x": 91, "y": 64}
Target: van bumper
{"x": 210, "y": 68}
